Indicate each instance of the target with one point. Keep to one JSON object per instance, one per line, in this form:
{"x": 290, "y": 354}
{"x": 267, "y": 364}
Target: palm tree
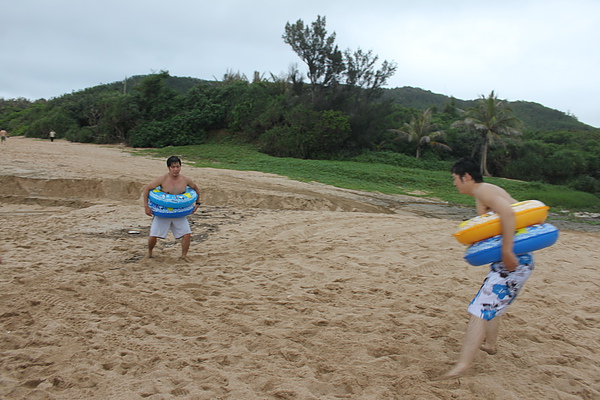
{"x": 423, "y": 131}
{"x": 492, "y": 119}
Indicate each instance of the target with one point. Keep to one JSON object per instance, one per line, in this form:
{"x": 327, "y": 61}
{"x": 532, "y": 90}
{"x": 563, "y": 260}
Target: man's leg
{"x": 476, "y": 332}
{"x": 185, "y": 246}
{"x": 181, "y": 230}
{"x": 491, "y": 335}
{"x": 158, "y": 229}
{"x": 151, "y": 243}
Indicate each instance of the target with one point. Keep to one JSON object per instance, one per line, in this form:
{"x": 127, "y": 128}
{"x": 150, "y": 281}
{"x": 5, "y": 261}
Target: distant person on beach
{"x": 3, "y": 136}
{"x": 505, "y": 279}
{"x": 52, "y": 135}
{"x": 173, "y": 183}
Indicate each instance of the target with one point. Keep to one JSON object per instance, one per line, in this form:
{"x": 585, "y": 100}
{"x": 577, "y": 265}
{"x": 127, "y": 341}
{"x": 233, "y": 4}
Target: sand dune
{"x": 296, "y": 291}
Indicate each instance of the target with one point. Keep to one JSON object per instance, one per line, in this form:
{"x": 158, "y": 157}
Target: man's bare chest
{"x": 173, "y": 186}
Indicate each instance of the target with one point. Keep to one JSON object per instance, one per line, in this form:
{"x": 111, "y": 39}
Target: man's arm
{"x": 146, "y": 191}
{"x": 191, "y": 184}
{"x": 504, "y": 210}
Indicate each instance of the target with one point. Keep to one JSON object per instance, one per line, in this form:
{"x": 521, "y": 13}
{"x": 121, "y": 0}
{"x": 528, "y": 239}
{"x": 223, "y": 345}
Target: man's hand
{"x": 148, "y": 210}
{"x": 195, "y": 208}
{"x": 510, "y": 260}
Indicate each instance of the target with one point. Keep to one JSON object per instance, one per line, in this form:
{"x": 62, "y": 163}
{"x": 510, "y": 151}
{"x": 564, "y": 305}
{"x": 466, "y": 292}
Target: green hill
{"x": 533, "y": 115}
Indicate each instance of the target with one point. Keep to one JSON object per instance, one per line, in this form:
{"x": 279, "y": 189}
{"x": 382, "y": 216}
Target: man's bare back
{"x": 486, "y": 193}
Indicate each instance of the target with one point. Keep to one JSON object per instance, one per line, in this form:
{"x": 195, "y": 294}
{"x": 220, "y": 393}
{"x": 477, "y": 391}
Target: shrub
{"x": 179, "y": 130}
{"x": 57, "y": 120}
{"x": 86, "y": 134}
{"x": 586, "y": 183}
{"x": 526, "y": 169}
{"x": 563, "y": 165}
{"x": 307, "y": 134}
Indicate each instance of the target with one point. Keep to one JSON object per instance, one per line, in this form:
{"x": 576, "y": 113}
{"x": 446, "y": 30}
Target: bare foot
{"x": 490, "y": 350}
{"x": 455, "y": 372}
{"x": 186, "y": 259}
{"x": 146, "y": 257}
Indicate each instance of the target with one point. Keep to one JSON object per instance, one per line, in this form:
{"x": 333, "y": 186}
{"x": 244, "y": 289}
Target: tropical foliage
{"x": 491, "y": 119}
{"x": 422, "y": 131}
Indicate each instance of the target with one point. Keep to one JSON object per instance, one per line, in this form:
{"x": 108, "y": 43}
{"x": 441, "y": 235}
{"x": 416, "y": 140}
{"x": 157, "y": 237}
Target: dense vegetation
{"x": 342, "y": 112}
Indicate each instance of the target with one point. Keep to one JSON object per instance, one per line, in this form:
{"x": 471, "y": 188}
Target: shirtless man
{"x": 173, "y": 183}
{"x": 505, "y": 279}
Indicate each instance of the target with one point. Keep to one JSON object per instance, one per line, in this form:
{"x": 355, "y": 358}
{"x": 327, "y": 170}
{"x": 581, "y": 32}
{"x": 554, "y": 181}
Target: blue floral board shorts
{"x": 500, "y": 288}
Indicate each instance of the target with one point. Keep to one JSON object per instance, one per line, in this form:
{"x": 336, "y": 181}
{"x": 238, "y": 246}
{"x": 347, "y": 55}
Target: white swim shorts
{"x": 160, "y": 227}
{"x": 500, "y": 288}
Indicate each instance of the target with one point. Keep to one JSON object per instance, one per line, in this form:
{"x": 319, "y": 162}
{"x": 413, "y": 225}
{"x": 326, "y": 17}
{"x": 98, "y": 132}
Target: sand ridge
{"x": 296, "y": 291}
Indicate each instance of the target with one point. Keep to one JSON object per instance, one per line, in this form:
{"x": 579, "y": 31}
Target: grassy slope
{"x": 383, "y": 178}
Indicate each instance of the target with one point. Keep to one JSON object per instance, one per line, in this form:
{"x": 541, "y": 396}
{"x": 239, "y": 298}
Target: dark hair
{"x": 173, "y": 160}
{"x": 470, "y": 166}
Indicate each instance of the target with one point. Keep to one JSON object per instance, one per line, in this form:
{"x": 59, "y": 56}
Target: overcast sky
{"x": 545, "y": 51}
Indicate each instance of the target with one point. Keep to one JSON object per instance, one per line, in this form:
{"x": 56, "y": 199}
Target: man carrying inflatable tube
{"x": 505, "y": 279}
{"x": 173, "y": 183}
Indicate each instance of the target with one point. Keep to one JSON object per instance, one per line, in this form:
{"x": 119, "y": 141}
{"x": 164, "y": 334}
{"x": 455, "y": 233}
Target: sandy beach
{"x": 296, "y": 291}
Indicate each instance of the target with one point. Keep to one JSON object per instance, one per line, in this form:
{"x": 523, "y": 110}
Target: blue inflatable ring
{"x": 187, "y": 198}
{"x": 530, "y": 238}
{"x": 170, "y": 212}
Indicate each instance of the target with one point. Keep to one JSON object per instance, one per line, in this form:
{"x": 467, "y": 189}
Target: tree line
{"x": 337, "y": 113}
